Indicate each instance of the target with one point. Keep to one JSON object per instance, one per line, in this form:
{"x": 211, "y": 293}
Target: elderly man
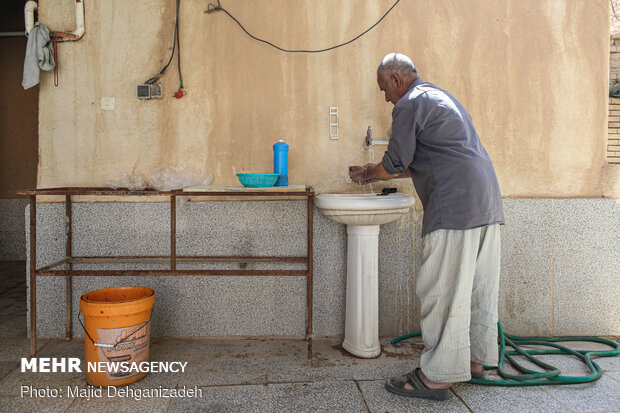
{"x": 434, "y": 142}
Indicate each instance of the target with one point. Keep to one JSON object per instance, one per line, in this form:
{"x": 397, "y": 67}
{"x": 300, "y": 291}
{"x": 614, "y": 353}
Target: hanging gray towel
{"x": 39, "y": 54}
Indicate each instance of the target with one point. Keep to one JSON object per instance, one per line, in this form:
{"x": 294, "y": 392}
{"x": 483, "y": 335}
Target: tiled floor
{"x": 270, "y": 376}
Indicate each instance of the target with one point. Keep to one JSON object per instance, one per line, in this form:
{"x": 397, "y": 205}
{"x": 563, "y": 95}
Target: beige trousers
{"x": 457, "y": 285}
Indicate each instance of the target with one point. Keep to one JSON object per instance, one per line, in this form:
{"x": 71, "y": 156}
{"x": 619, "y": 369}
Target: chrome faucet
{"x": 370, "y": 141}
{"x": 369, "y": 137}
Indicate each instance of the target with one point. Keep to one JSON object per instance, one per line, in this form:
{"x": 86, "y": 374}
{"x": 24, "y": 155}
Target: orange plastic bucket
{"x": 117, "y": 323}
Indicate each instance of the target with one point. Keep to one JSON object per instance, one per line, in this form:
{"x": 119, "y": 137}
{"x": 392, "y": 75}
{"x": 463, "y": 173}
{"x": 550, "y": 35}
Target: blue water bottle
{"x": 280, "y": 162}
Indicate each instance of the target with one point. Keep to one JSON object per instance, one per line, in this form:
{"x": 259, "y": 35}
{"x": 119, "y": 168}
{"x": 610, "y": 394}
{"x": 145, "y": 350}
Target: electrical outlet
{"x": 143, "y": 91}
{"x": 157, "y": 91}
{"x": 153, "y": 91}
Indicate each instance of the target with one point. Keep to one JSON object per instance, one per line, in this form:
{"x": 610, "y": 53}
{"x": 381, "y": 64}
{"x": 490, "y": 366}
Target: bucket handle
{"x": 111, "y": 345}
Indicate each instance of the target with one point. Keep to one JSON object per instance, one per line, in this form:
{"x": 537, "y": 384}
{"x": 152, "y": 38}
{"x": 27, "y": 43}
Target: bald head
{"x": 394, "y": 75}
{"x": 397, "y": 63}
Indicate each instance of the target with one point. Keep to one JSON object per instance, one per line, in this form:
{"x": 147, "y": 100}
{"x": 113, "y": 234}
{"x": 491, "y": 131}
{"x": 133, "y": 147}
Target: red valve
{"x": 180, "y": 93}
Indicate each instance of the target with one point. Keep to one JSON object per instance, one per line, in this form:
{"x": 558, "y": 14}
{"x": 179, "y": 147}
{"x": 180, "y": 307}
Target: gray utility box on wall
{"x": 154, "y": 91}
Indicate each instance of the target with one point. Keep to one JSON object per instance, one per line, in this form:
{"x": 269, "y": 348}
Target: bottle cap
{"x": 280, "y": 146}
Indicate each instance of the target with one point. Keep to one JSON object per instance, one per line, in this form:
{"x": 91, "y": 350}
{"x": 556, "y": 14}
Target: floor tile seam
{"x": 177, "y": 382}
{"x": 611, "y": 369}
{"x": 262, "y": 384}
{"x": 267, "y": 399}
{"x": 370, "y": 380}
{"x": 610, "y": 376}
{"x": 269, "y": 407}
{"x": 48, "y": 341}
{"x": 552, "y": 396}
{"x": 351, "y": 371}
{"x": 458, "y": 396}
{"x": 359, "y": 389}
{"x": 71, "y": 404}
{"x": 168, "y": 406}
{"x": 309, "y": 380}
{"x": 9, "y": 372}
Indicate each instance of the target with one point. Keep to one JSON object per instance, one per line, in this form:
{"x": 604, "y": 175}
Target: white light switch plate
{"x": 333, "y": 122}
{"x": 107, "y": 103}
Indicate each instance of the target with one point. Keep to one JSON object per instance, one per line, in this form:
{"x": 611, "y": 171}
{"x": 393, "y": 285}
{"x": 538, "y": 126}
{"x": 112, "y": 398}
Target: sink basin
{"x": 363, "y": 214}
{"x": 363, "y": 209}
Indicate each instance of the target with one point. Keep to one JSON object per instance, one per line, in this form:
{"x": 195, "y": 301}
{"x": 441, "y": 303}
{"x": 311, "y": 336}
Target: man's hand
{"x": 363, "y": 175}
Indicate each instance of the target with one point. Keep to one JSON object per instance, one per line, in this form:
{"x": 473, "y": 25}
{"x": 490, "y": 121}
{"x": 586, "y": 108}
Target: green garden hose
{"x": 552, "y": 374}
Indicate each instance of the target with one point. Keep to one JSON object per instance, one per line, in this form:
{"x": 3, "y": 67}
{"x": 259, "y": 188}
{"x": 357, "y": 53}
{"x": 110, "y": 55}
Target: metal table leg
{"x": 309, "y": 280}
{"x": 33, "y": 277}
{"x": 68, "y": 279}
{"x": 173, "y": 233}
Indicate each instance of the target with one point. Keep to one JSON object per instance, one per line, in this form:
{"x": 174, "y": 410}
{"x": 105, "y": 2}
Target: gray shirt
{"x": 433, "y": 136}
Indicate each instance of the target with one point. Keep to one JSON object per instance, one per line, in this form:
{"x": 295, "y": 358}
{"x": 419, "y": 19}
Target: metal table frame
{"x": 68, "y": 272}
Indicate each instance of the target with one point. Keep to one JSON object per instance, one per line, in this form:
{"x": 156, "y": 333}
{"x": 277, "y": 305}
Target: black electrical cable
{"x": 178, "y": 39}
{"x": 212, "y": 8}
{"x": 174, "y": 42}
{"x": 174, "y": 48}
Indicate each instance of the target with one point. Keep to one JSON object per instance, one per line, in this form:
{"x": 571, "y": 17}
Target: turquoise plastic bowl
{"x": 258, "y": 180}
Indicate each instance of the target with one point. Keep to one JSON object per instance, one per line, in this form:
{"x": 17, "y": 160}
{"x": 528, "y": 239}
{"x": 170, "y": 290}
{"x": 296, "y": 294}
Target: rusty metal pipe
{"x": 173, "y": 233}
{"x": 33, "y": 275}
{"x": 309, "y": 274}
{"x": 68, "y": 279}
{"x": 152, "y": 192}
{"x": 161, "y": 259}
{"x": 29, "y": 9}
{"x": 88, "y": 273}
{"x": 31, "y": 6}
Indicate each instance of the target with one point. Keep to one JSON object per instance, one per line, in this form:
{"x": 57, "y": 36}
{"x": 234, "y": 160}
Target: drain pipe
{"x": 29, "y": 9}
{"x": 76, "y": 34}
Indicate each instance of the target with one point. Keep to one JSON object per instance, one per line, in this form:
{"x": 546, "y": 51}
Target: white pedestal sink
{"x": 363, "y": 213}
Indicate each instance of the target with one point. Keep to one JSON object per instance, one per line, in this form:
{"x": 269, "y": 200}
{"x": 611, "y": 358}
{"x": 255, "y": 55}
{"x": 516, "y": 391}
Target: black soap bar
{"x": 386, "y": 191}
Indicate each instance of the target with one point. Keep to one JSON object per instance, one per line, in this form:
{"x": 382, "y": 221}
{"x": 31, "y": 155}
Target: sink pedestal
{"x": 363, "y": 214}
{"x": 361, "y": 334}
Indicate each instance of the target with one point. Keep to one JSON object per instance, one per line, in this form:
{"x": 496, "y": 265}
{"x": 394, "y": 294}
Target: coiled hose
{"x": 552, "y": 375}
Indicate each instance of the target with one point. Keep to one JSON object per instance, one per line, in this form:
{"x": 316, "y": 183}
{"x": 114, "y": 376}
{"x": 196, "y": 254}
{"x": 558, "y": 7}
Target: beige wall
{"x": 533, "y": 75}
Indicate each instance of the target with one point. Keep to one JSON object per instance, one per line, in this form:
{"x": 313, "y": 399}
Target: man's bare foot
{"x": 430, "y": 384}
{"x": 476, "y": 367}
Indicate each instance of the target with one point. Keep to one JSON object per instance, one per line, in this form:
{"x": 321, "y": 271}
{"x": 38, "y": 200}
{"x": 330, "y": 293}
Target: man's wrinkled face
{"x": 389, "y": 87}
